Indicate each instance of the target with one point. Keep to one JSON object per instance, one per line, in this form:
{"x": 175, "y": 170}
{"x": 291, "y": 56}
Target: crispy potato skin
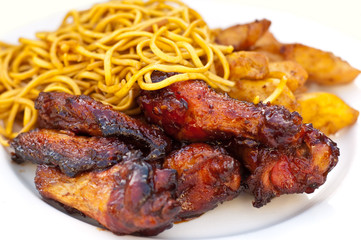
{"x": 253, "y": 75}
{"x": 207, "y": 176}
{"x": 322, "y": 67}
{"x": 296, "y": 74}
{"x": 326, "y": 111}
{"x": 247, "y": 65}
{"x": 135, "y": 198}
{"x": 248, "y": 90}
{"x": 243, "y": 36}
{"x": 269, "y": 46}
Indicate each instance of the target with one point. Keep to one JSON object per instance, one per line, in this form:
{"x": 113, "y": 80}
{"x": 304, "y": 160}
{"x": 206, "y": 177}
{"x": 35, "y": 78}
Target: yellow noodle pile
{"x": 109, "y": 53}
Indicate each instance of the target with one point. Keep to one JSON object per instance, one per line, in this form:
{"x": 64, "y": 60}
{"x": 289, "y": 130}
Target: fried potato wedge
{"x": 243, "y": 36}
{"x": 246, "y": 65}
{"x": 296, "y": 74}
{"x": 269, "y": 46}
{"x": 326, "y": 111}
{"x": 323, "y": 67}
{"x": 249, "y": 90}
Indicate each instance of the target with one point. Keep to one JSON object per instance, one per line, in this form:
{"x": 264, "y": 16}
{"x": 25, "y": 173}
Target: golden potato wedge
{"x": 246, "y": 65}
{"x": 269, "y": 46}
{"x": 243, "y": 36}
{"x": 322, "y": 67}
{"x": 326, "y": 111}
{"x": 248, "y": 90}
{"x": 295, "y": 73}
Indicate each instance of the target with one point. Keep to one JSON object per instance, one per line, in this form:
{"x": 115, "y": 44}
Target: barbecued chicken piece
{"x": 83, "y": 115}
{"x": 192, "y": 111}
{"x": 207, "y": 176}
{"x": 72, "y": 154}
{"x": 294, "y": 169}
{"x": 129, "y": 198}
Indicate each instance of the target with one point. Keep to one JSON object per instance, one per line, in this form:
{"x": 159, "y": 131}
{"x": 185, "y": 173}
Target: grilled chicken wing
{"x": 72, "y": 154}
{"x": 207, "y": 176}
{"x": 84, "y": 115}
{"x": 192, "y": 111}
{"x": 285, "y": 156}
{"x": 135, "y": 198}
{"x": 295, "y": 169}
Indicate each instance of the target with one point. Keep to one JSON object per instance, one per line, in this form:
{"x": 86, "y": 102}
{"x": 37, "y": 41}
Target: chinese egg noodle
{"x": 109, "y": 53}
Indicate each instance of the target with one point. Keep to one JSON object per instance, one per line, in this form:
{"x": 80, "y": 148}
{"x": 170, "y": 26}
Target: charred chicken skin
{"x": 207, "y": 176}
{"x": 192, "y": 111}
{"x": 135, "y": 198}
{"x": 296, "y": 169}
{"x": 281, "y": 155}
{"x": 299, "y": 156}
{"x": 83, "y": 115}
{"x": 72, "y": 154}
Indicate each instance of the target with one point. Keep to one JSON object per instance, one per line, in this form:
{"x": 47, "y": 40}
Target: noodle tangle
{"x": 108, "y": 52}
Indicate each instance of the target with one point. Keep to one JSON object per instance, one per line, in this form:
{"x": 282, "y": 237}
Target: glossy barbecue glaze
{"x": 72, "y": 154}
{"x": 192, "y": 111}
{"x": 207, "y": 176}
{"x": 83, "y": 115}
{"x": 135, "y": 198}
{"x": 295, "y": 169}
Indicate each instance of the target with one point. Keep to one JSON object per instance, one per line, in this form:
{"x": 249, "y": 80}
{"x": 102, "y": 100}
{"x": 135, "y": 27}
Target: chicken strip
{"x": 296, "y": 169}
{"x": 84, "y": 115}
{"x": 135, "y": 198}
{"x": 207, "y": 176}
{"x": 72, "y": 154}
{"x": 192, "y": 111}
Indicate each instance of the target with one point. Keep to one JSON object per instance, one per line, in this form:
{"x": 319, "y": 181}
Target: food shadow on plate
{"x": 26, "y": 172}
{"x": 239, "y": 217}
{"x": 72, "y": 212}
{"x": 247, "y": 220}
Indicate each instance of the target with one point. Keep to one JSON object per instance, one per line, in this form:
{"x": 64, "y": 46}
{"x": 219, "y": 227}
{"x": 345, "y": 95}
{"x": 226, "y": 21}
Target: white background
{"x": 343, "y": 16}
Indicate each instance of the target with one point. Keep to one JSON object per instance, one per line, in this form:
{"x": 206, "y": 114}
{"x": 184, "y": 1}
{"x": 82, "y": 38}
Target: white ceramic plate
{"x": 326, "y": 213}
